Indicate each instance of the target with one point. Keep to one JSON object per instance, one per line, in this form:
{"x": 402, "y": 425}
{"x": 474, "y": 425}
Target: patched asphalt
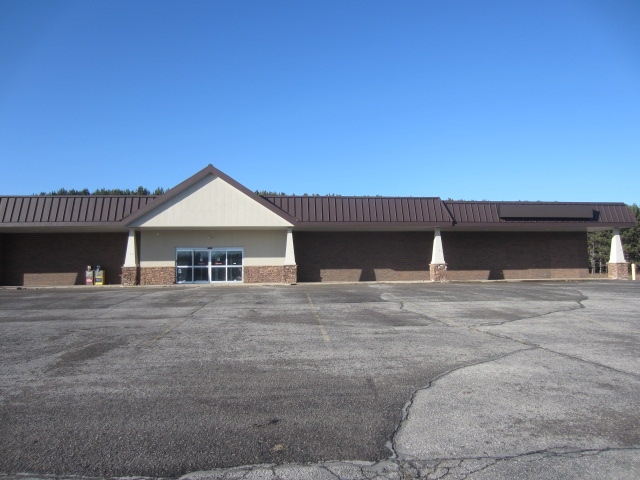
{"x": 491, "y": 380}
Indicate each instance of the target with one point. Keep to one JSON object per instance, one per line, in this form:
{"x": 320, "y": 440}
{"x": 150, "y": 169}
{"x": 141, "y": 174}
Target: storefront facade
{"x": 211, "y": 229}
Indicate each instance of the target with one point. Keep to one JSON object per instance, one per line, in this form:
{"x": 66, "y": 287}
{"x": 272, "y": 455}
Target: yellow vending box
{"x": 99, "y": 276}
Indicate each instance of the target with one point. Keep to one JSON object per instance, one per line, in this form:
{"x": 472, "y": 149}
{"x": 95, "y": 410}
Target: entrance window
{"x": 184, "y": 266}
{"x": 199, "y": 265}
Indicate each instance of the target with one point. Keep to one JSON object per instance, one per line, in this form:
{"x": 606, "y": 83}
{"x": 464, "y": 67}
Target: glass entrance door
{"x": 199, "y": 265}
{"x": 218, "y": 265}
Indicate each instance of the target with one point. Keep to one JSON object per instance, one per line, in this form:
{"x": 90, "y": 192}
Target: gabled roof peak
{"x": 209, "y": 170}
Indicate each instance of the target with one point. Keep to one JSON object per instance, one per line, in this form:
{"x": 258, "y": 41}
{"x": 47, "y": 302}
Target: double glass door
{"x": 199, "y": 265}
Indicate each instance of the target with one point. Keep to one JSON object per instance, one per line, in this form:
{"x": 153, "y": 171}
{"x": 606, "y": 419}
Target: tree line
{"x": 271, "y": 193}
{"x": 106, "y": 191}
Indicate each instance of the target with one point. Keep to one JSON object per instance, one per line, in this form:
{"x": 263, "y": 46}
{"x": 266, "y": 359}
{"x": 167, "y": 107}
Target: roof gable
{"x": 210, "y": 199}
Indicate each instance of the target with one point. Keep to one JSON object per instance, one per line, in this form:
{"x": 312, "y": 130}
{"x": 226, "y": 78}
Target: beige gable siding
{"x": 264, "y": 247}
{"x": 211, "y": 202}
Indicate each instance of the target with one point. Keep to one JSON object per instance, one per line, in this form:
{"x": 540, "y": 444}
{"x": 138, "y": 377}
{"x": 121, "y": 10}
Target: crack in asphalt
{"x": 407, "y": 307}
{"x": 412, "y": 307}
{"x": 441, "y": 468}
{"x": 159, "y": 337}
{"x": 407, "y": 407}
{"x": 529, "y": 346}
{"x": 459, "y": 468}
{"x": 570, "y": 309}
{"x": 561, "y": 354}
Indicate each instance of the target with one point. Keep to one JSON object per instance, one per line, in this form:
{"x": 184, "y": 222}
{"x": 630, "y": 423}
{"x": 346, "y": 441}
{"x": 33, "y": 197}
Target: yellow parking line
{"x": 323, "y": 330}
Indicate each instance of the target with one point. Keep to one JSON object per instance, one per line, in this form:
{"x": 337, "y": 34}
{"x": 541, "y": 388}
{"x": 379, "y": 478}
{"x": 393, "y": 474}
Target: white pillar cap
{"x": 617, "y": 253}
{"x": 437, "y": 255}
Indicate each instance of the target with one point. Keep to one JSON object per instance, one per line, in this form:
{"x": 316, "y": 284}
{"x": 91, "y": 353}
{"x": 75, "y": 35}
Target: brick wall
{"x": 61, "y": 258}
{"x": 374, "y": 256}
{"x": 167, "y": 275}
{"x": 270, "y": 274}
{"x": 362, "y": 256}
{"x": 157, "y": 275}
{"x": 36, "y": 259}
{"x": 515, "y": 255}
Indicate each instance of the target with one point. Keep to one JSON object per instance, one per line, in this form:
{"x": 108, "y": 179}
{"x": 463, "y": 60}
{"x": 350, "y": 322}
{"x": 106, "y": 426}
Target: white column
{"x": 289, "y": 254}
{"x": 437, "y": 254}
{"x": 617, "y": 254}
{"x": 131, "y": 257}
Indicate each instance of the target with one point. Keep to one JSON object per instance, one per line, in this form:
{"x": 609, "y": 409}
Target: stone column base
{"x": 438, "y": 272}
{"x": 618, "y": 271}
{"x": 291, "y": 274}
{"x": 130, "y": 276}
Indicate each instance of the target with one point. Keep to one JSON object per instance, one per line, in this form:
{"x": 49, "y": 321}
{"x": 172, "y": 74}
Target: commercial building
{"x": 211, "y": 229}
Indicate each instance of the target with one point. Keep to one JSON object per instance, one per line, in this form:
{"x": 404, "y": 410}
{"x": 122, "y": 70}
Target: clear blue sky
{"x": 463, "y": 99}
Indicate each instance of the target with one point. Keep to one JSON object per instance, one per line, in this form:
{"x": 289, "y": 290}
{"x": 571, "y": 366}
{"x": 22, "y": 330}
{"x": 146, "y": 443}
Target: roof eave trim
{"x": 374, "y": 224}
{"x": 61, "y": 224}
{"x": 543, "y": 225}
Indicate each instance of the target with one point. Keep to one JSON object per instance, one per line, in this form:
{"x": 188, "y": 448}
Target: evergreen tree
{"x": 599, "y": 247}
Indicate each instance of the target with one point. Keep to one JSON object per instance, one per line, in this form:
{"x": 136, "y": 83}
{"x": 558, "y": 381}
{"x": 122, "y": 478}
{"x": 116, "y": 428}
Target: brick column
{"x": 130, "y": 276}
{"x": 291, "y": 274}
{"x": 438, "y": 272}
{"x": 437, "y": 267}
{"x": 618, "y": 268}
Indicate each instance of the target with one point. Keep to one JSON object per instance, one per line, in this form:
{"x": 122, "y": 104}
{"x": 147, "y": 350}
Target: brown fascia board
{"x": 208, "y": 170}
{"x": 381, "y": 225}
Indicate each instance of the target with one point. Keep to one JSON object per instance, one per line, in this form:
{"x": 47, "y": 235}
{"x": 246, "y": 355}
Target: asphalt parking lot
{"x": 477, "y": 381}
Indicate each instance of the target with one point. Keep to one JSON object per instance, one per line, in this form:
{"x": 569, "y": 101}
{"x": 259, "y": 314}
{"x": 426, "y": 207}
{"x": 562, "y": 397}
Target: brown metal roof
{"x": 59, "y": 210}
{"x": 118, "y": 211}
{"x": 374, "y": 211}
{"x": 487, "y": 214}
